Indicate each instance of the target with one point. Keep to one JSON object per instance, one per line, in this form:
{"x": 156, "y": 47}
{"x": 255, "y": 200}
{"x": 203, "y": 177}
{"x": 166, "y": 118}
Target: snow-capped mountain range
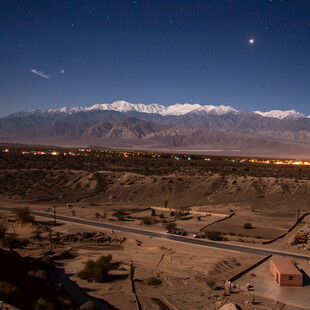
{"x": 176, "y": 109}
{"x": 123, "y": 124}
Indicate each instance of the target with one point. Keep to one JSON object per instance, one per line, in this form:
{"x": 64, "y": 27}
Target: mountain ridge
{"x": 176, "y": 109}
{"x": 225, "y": 128}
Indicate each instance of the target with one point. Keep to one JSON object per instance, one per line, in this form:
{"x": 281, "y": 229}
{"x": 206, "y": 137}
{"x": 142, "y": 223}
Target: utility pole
{"x": 54, "y": 215}
{"x": 51, "y": 240}
{"x": 298, "y": 216}
{"x": 13, "y": 229}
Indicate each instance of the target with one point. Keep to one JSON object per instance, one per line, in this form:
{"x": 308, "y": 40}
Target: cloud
{"x": 62, "y": 71}
{"x": 40, "y": 73}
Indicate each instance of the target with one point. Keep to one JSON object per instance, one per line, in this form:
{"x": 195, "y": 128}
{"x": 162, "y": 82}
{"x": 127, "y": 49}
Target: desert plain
{"x": 224, "y": 199}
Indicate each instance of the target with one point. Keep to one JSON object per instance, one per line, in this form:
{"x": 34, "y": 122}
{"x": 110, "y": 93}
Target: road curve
{"x": 154, "y": 234}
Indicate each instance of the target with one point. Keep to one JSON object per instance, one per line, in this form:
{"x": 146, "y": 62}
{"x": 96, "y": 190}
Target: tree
{"x": 23, "y": 215}
{"x": 170, "y": 226}
{"x": 98, "y": 270}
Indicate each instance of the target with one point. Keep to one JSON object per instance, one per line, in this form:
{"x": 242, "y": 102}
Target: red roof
{"x": 285, "y": 266}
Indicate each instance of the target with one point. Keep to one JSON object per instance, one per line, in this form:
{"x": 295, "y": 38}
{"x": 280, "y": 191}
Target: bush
{"x": 42, "y": 304}
{"x": 161, "y": 216}
{"x": 211, "y": 283}
{"x": 147, "y": 221}
{"x": 153, "y": 212}
{"x": 172, "y": 213}
{"x": 153, "y": 281}
{"x": 215, "y": 236}
{"x": 248, "y": 226}
{"x": 8, "y": 290}
{"x": 170, "y": 226}
{"x": 97, "y": 270}
{"x": 88, "y": 305}
{"x": 9, "y": 241}
{"x": 120, "y": 215}
{"x": 40, "y": 273}
{"x": 23, "y": 215}
{"x": 37, "y": 234}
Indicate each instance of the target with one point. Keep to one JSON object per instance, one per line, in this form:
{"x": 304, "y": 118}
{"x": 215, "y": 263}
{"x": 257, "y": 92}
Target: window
{"x": 290, "y": 277}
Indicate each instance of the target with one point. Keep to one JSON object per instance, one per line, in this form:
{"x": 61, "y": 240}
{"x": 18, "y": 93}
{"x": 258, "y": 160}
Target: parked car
{"x": 178, "y": 232}
{"x": 196, "y": 236}
{"x": 168, "y": 231}
{"x": 183, "y": 233}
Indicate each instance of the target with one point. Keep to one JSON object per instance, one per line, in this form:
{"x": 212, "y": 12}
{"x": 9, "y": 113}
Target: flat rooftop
{"x": 285, "y": 266}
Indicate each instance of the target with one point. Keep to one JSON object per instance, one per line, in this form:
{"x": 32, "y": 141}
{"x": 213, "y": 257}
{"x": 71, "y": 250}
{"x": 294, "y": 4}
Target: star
{"x": 251, "y": 41}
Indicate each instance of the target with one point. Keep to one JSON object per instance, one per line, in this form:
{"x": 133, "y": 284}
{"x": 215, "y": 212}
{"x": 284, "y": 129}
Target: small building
{"x": 300, "y": 237}
{"x": 285, "y": 272}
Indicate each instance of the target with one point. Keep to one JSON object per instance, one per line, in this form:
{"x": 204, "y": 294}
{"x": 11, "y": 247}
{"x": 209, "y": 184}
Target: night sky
{"x": 80, "y": 52}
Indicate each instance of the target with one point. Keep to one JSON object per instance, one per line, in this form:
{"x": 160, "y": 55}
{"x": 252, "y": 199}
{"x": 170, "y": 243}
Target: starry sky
{"x": 81, "y": 52}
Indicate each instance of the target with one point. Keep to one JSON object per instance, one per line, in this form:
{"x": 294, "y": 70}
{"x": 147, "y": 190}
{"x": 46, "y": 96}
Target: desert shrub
{"x": 170, "y": 226}
{"x": 37, "y": 234}
{"x": 120, "y": 215}
{"x": 8, "y": 290}
{"x": 42, "y": 304}
{"x": 153, "y": 281}
{"x": 23, "y": 215}
{"x": 247, "y": 226}
{"x": 214, "y": 235}
{"x": 153, "y": 212}
{"x": 147, "y": 221}
{"x": 98, "y": 270}
{"x": 172, "y": 213}
{"x": 97, "y": 215}
{"x": 88, "y": 305}
{"x": 40, "y": 273}
{"x": 161, "y": 216}
{"x": 9, "y": 241}
{"x": 211, "y": 283}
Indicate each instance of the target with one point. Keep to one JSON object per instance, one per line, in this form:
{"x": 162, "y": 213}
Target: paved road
{"x": 154, "y": 234}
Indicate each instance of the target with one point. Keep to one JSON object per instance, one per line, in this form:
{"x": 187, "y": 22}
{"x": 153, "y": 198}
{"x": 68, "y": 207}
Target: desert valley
{"x": 155, "y": 155}
{"x": 153, "y": 207}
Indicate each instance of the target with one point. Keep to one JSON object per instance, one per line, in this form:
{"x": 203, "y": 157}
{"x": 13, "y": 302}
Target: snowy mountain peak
{"x": 176, "y": 109}
{"x": 281, "y": 114}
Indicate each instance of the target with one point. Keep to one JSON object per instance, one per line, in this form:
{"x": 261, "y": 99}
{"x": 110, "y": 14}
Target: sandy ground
{"x": 268, "y": 200}
{"x": 265, "y": 285}
{"x": 183, "y": 269}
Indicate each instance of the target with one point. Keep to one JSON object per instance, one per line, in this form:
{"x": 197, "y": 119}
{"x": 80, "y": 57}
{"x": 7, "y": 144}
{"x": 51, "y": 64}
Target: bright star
{"x": 251, "y": 41}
